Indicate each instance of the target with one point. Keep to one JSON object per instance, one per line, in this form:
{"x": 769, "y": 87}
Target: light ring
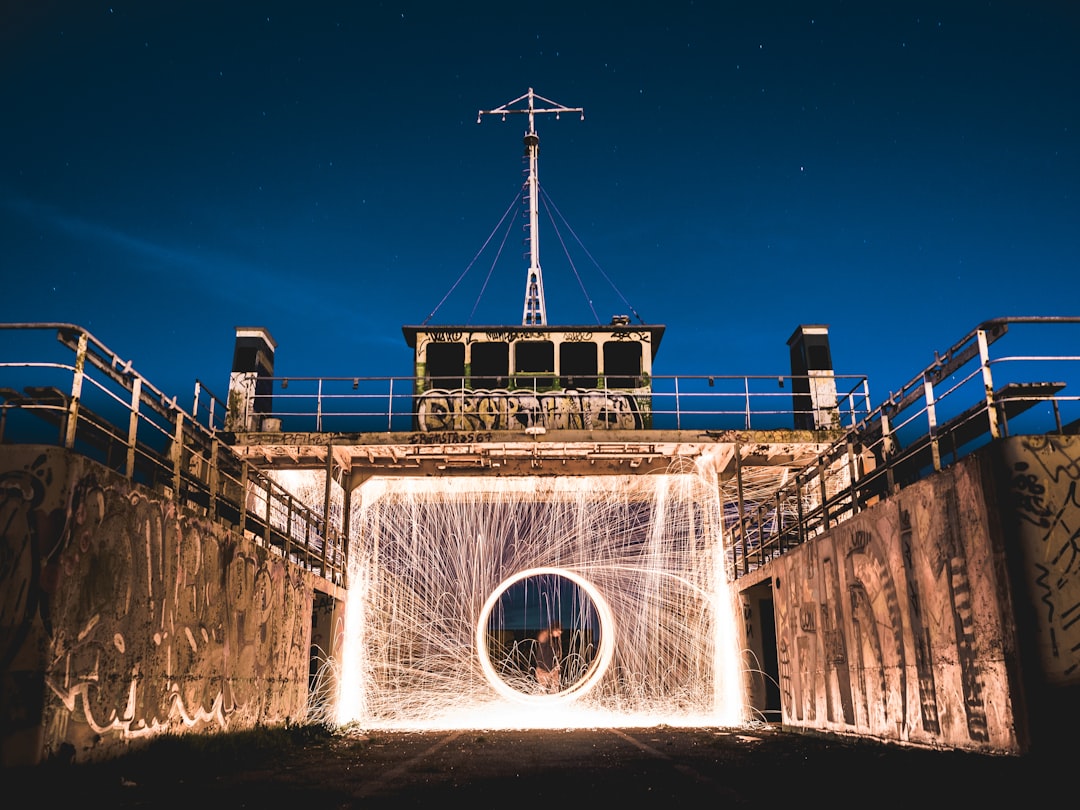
{"x": 599, "y": 666}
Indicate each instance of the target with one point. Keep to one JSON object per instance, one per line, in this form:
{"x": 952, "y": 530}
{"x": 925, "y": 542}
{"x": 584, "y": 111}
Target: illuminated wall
{"x": 123, "y": 616}
{"x": 902, "y": 623}
{"x": 1043, "y": 509}
{"x": 943, "y": 616}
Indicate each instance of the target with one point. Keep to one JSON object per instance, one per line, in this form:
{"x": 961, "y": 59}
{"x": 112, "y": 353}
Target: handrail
{"x": 99, "y": 406}
{"x": 968, "y": 396}
{"x": 350, "y": 404}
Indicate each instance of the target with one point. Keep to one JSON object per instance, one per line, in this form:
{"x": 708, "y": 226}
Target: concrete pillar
{"x": 251, "y": 385}
{"x": 813, "y": 383}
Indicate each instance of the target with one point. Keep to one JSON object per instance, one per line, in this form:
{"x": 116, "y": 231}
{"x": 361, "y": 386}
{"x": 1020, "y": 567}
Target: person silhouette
{"x": 548, "y": 657}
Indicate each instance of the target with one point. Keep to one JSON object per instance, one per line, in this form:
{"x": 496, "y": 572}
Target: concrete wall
{"x": 123, "y": 616}
{"x": 942, "y": 616}
{"x": 1038, "y": 478}
{"x": 945, "y": 616}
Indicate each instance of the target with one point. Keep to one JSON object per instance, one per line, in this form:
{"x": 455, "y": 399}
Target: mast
{"x": 535, "y": 311}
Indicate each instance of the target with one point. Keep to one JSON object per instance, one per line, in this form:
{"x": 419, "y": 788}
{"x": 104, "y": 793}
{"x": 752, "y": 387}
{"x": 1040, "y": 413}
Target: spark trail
{"x": 443, "y": 610}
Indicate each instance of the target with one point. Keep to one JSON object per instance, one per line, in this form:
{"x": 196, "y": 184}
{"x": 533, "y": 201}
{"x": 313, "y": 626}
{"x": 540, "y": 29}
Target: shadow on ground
{"x": 759, "y": 766}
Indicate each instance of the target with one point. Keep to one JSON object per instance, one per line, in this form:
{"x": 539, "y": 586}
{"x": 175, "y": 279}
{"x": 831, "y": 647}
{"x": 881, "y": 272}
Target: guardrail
{"x": 82, "y": 396}
{"x": 684, "y": 402}
{"x": 982, "y": 388}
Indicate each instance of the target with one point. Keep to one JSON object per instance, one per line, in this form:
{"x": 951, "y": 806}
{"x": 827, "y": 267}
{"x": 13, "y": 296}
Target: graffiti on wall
{"x": 879, "y": 631}
{"x": 1044, "y": 472}
{"x": 88, "y": 565}
{"x": 500, "y": 409}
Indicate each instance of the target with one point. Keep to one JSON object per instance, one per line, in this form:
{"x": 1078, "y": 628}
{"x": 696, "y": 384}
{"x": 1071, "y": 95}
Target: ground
{"x": 315, "y": 767}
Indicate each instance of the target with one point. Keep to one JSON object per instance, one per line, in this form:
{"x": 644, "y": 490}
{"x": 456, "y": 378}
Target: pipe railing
{"x": 970, "y": 395}
{"x": 683, "y": 402}
{"x": 94, "y": 403}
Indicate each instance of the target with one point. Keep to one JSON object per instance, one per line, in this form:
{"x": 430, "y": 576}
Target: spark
{"x": 651, "y": 617}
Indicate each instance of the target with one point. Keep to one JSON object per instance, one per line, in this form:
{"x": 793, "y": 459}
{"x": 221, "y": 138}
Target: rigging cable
{"x": 547, "y": 199}
{"x": 487, "y": 278}
{"x": 487, "y": 241}
{"x": 566, "y": 252}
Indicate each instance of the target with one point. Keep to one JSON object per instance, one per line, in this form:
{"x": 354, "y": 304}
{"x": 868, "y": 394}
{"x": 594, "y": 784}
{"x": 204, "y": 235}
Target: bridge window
{"x": 490, "y": 365}
{"x": 534, "y": 364}
{"x": 446, "y": 365}
{"x": 622, "y": 364}
{"x": 577, "y": 365}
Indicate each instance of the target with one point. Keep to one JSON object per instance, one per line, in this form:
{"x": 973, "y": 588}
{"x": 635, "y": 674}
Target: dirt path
{"x": 759, "y": 767}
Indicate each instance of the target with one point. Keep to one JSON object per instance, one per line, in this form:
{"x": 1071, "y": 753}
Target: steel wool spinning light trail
{"x": 450, "y": 579}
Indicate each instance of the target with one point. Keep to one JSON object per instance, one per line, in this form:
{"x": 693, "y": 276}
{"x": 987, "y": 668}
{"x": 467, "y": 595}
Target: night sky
{"x": 898, "y": 171}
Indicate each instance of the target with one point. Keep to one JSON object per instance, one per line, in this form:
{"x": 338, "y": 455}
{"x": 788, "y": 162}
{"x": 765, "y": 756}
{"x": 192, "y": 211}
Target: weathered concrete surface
{"x": 124, "y": 615}
{"x": 897, "y": 625}
{"x": 941, "y": 616}
{"x": 756, "y": 767}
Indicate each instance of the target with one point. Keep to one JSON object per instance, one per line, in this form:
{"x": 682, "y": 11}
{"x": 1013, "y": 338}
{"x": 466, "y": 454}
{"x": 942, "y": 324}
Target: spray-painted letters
{"x": 471, "y": 410}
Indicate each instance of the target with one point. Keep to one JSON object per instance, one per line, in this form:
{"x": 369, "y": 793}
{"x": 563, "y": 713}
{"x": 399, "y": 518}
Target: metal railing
{"x": 80, "y": 395}
{"x": 686, "y": 402}
{"x": 982, "y": 388}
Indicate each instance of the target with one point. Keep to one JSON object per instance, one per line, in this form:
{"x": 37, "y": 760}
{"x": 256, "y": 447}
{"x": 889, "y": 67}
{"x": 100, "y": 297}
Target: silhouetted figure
{"x": 548, "y": 656}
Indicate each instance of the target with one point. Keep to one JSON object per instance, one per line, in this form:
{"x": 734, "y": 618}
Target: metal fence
{"x": 1007, "y": 377}
{"x": 685, "y": 402}
{"x": 1010, "y": 376}
{"x": 80, "y": 395}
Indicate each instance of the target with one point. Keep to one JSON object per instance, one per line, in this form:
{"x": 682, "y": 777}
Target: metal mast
{"x": 535, "y": 312}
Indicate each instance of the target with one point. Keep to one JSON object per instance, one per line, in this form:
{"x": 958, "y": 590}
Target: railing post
{"x": 213, "y": 477}
{"x": 327, "y": 492}
{"x": 318, "y": 407}
{"x": 824, "y": 494}
{"x": 988, "y": 384}
{"x": 390, "y": 408}
{"x": 742, "y": 510}
{"x": 746, "y": 388}
{"x": 931, "y": 421}
{"x": 287, "y": 543}
{"x": 779, "y": 524}
{"x": 177, "y": 452}
{"x": 799, "y": 510}
{"x": 133, "y": 427}
{"x": 244, "y": 483}
{"x": 346, "y": 527}
{"x": 269, "y": 495}
{"x": 761, "y": 533}
{"x": 887, "y": 451}
{"x": 853, "y": 473}
{"x": 307, "y": 539}
{"x": 76, "y": 392}
{"x": 195, "y": 403}
{"x": 678, "y": 414}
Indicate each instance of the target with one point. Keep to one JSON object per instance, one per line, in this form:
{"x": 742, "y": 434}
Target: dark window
{"x": 490, "y": 365}
{"x": 445, "y": 365}
{"x": 577, "y": 365}
{"x": 622, "y": 364}
{"x": 534, "y": 364}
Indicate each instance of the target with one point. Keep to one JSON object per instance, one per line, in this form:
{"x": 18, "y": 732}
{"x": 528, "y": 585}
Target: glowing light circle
{"x": 604, "y": 653}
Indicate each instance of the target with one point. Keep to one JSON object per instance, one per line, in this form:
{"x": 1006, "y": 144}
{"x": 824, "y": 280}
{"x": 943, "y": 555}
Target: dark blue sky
{"x": 899, "y": 171}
